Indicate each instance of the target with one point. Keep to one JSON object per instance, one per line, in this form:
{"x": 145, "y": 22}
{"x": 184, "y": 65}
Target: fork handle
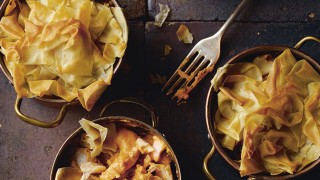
{"x": 232, "y": 17}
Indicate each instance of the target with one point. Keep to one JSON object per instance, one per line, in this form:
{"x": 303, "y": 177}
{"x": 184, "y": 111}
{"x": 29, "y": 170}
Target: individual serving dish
{"x": 262, "y": 112}
{"x": 61, "y": 51}
{"x": 112, "y": 151}
{"x": 116, "y": 147}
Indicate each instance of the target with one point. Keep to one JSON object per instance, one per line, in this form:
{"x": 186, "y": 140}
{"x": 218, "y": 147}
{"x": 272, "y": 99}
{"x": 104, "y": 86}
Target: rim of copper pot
{"x": 210, "y": 106}
{"x": 50, "y": 99}
{"x": 61, "y": 159}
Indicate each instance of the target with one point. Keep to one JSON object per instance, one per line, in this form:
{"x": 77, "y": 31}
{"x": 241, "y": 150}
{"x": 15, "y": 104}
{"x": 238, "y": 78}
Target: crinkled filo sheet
{"x": 64, "y": 48}
{"x": 271, "y": 106}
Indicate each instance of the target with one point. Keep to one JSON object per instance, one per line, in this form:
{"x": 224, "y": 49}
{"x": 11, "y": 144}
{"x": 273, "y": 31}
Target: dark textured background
{"x": 27, "y": 152}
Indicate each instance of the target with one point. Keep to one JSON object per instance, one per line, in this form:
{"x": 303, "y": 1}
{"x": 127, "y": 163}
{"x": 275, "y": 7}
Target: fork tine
{"x": 183, "y": 63}
{"x": 170, "y": 80}
{"x": 173, "y": 76}
{"x": 196, "y": 71}
{"x": 193, "y": 63}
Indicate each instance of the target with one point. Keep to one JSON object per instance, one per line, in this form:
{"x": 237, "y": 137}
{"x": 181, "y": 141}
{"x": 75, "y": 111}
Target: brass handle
{"x": 154, "y": 117}
{"x": 205, "y": 163}
{"x": 305, "y": 39}
{"x": 35, "y": 122}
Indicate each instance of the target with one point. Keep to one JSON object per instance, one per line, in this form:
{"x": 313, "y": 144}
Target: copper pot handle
{"x": 205, "y": 163}
{"x": 39, "y": 123}
{"x": 154, "y": 117}
{"x": 305, "y": 39}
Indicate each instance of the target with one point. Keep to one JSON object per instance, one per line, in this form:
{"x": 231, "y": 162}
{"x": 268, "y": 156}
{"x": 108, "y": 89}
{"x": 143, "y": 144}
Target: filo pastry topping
{"x": 271, "y": 108}
{"x": 64, "y": 48}
{"x": 115, "y": 152}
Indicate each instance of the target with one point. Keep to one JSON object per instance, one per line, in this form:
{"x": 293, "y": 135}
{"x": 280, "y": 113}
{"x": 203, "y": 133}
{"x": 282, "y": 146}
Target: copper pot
{"x": 65, "y": 152}
{"x": 49, "y": 100}
{"x": 211, "y": 106}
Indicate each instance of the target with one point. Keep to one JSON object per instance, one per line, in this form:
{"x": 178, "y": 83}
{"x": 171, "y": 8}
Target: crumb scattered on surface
{"x": 184, "y": 34}
{"x": 167, "y": 50}
{"x": 312, "y": 15}
{"x": 162, "y": 15}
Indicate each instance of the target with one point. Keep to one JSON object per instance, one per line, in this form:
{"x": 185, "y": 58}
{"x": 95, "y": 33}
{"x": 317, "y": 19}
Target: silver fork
{"x": 201, "y": 59}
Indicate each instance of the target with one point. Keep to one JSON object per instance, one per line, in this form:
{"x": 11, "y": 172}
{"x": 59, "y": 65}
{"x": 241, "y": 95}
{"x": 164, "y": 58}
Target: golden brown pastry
{"x": 271, "y": 107}
{"x": 64, "y": 48}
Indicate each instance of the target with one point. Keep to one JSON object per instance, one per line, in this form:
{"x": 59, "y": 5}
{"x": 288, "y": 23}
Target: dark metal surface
{"x": 27, "y": 152}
